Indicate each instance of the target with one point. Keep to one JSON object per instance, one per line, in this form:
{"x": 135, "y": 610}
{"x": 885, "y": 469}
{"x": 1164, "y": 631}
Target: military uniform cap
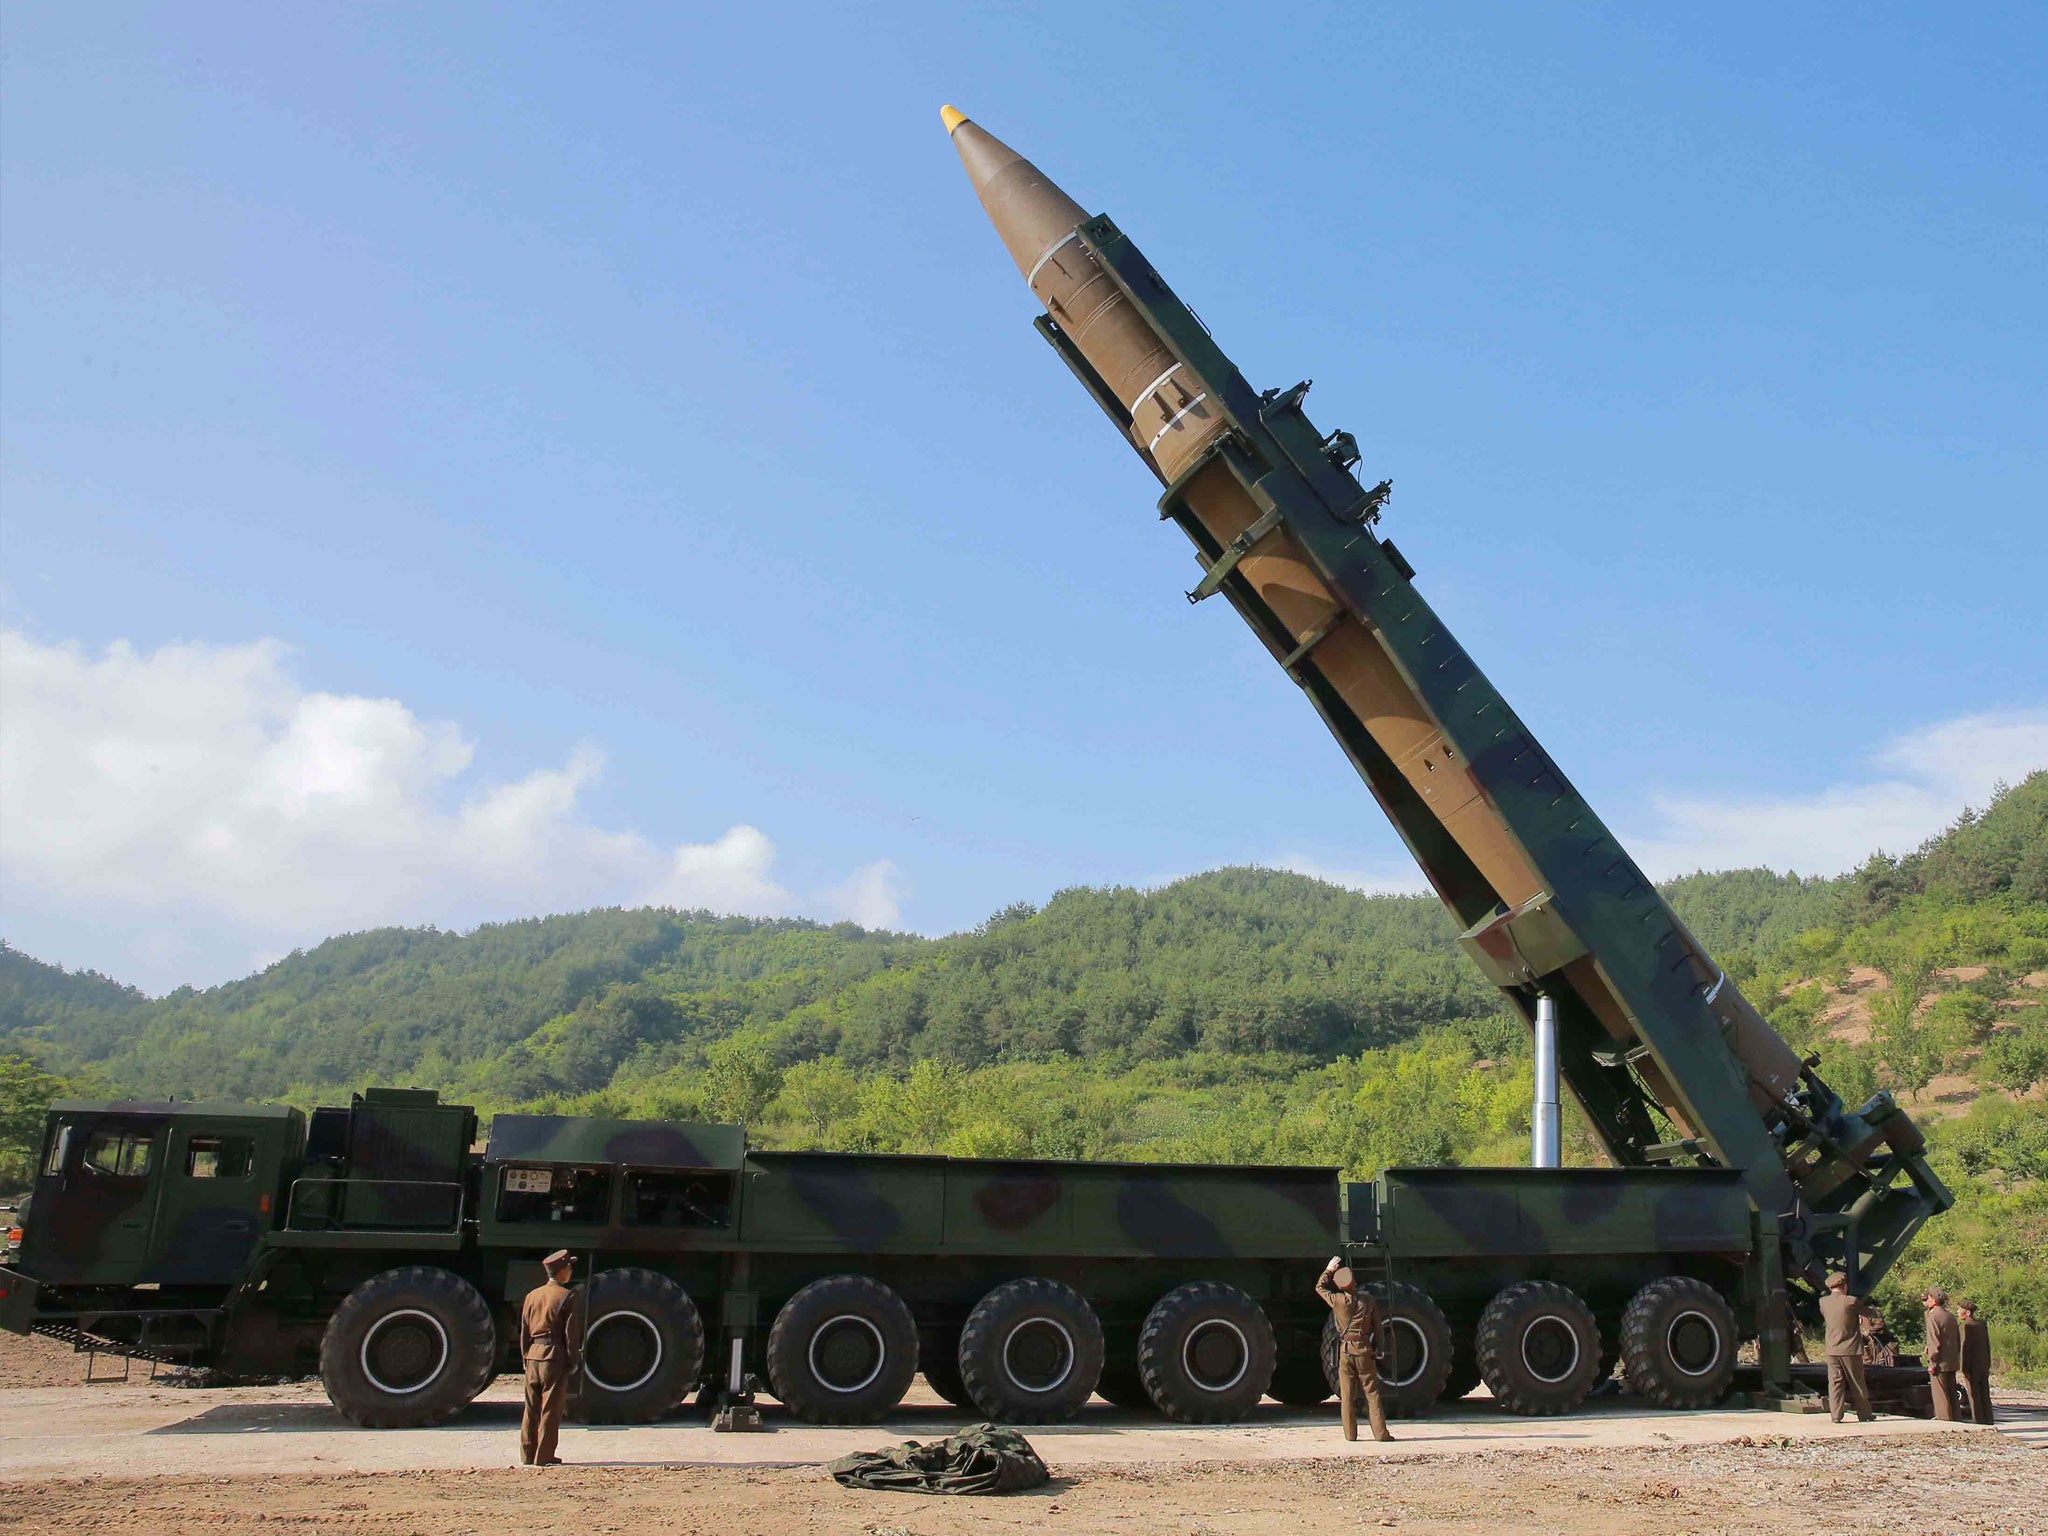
{"x": 1342, "y": 1278}
{"x": 558, "y": 1257}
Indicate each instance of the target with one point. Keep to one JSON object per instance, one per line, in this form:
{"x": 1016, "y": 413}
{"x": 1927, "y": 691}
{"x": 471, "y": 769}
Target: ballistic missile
{"x": 1553, "y": 909}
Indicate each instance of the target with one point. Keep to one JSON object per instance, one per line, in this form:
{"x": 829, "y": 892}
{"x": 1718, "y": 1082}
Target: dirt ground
{"x": 1755, "y": 1472}
{"x": 1962, "y": 1483}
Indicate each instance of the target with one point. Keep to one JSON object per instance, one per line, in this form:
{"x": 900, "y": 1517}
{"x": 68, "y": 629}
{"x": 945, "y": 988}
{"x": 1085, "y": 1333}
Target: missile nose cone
{"x": 1028, "y": 210}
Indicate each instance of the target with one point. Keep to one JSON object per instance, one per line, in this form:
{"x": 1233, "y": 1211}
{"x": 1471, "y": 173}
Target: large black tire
{"x": 1420, "y": 1353}
{"x": 408, "y": 1347}
{"x": 1206, "y": 1353}
{"x": 1120, "y": 1384}
{"x": 1538, "y": 1348}
{"x": 1678, "y": 1343}
{"x": 843, "y": 1350}
{"x": 643, "y": 1348}
{"x": 1031, "y": 1352}
{"x": 1300, "y": 1377}
{"x": 938, "y": 1361}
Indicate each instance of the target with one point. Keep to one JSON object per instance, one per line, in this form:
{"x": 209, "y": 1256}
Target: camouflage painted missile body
{"x": 1666, "y": 1057}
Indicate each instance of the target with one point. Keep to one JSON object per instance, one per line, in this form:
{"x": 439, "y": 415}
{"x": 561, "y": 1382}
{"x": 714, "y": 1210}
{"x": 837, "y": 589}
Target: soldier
{"x": 1358, "y": 1329}
{"x": 551, "y": 1347}
{"x": 1841, "y": 1315}
{"x": 1976, "y": 1355}
{"x": 1880, "y": 1344}
{"x": 1944, "y": 1349}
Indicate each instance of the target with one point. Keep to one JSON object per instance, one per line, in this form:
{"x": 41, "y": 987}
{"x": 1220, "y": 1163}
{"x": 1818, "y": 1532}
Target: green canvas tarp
{"x": 984, "y": 1459}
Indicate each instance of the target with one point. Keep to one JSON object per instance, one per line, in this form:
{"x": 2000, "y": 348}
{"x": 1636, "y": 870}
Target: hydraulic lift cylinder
{"x": 1544, "y": 1150}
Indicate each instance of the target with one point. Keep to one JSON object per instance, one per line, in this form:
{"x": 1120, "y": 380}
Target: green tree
{"x": 26, "y": 1091}
{"x": 817, "y": 1095}
{"x": 740, "y": 1079}
{"x": 2017, "y": 1058}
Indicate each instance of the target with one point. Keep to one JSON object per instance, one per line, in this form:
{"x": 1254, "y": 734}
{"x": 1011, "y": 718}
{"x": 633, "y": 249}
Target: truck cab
{"x": 167, "y": 1194}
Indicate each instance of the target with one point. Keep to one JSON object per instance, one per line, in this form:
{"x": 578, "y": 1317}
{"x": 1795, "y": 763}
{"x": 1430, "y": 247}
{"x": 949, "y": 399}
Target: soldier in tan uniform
{"x": 1976, "y": 1361}
{"x": 551, "y": 1347}
{"x": 1841, "y": 1317}
{"x": 1358, "y": 1330}
{"x": 1943, "y": 1349}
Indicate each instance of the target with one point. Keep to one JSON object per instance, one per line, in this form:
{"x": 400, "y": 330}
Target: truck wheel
{"x": 1678, "y": 1343}
{"x": 1419, "y": 1361}
{"x": 938, "y": 1361}
{"x": 1422, "y": 1358}
{"x": 1120, "y": 1383}
{"x": 1031, "y": 1352}
{"x": 643, "y": 1348}
{"x": 1206, "y": 1353}
{"x": 1538, "y": 1348}
{"x": 843, "y": 1350}
{"x": 408, "y": 1347}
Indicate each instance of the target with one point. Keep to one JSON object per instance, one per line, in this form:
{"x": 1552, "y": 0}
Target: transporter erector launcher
{"x": 1669, "y": 1061}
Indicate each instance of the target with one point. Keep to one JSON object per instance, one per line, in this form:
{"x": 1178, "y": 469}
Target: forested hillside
{"x": 1241, "y": 1014}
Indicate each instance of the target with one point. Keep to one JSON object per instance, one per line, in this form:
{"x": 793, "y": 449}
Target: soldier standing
{"x": 1358, "y": 1330}
{"x": 1976, "y": 1356}
{"x": 1841, "y": 1315}
{"x": 551, "y": 1347}
{"x": 1944, "y": 1348}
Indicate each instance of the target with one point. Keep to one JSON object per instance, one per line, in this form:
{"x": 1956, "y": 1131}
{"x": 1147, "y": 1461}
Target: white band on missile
{"x": 1176, "y": 368}
{"x": 1720, "y": 981}
{"x": 1069, "y": 238}
{"x": 1175, "y": 421}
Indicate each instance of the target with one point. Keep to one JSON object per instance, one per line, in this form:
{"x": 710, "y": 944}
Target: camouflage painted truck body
{"x": 373, "y": 1243}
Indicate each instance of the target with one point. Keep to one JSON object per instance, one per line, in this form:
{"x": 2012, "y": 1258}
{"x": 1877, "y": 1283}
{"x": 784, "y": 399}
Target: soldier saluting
{"x": 551, "y": 1349}
{"x": 1358, "y": 1330}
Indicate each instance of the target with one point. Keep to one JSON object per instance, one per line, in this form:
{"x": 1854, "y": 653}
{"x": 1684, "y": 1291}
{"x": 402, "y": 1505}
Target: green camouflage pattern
{"x": 641, "y": 1143}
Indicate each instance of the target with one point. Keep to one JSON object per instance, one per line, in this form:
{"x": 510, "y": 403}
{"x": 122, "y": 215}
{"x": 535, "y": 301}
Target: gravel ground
{"x": 1882, "y": 1484}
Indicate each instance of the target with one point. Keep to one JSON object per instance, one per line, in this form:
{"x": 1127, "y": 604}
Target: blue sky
{"x": 523, "y": 460}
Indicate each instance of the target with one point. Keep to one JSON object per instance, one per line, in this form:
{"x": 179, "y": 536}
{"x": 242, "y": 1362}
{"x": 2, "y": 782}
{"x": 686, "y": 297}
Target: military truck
{"x": 373, "y": 1243}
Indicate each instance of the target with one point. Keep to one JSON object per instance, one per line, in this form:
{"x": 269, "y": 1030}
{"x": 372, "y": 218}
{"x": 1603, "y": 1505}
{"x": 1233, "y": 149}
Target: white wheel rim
{"x": 1570, "y": 1332}
{"x": 369, "y": 1372}
{"x": 1187, "y": 1354}
{"x": 623, "y": 1316}
{"x": 1671, "y": 1334}
{"x": 881, "y": 1352}
{"x": 1066, "y": 1341}
{"x": 1421, "y": 1353}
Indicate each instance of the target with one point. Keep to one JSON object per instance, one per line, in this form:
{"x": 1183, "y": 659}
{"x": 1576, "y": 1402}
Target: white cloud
{"x": 871, "y": 897}
{"x": 194, "y": 809}
{"x": 1918, "y": 784}
{"x": 1922, "y": 781}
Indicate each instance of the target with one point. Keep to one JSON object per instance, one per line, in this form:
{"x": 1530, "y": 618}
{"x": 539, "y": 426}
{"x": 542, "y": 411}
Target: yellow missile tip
{"x": 951, "y": 117}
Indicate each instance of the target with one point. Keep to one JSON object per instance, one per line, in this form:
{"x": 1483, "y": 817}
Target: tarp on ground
{"x": 984, "y": 1459}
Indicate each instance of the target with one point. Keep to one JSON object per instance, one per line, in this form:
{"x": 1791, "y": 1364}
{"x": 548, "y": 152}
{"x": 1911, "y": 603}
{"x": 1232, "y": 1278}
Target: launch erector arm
{"x": 1651, "y": 1033}
{"x": 1668, "y": 1060}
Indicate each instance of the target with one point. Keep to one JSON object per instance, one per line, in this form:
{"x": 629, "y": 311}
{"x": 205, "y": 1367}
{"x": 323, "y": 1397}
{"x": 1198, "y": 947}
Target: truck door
{"x": 216, "y": 1189}
{"x": 95, "y": 1200}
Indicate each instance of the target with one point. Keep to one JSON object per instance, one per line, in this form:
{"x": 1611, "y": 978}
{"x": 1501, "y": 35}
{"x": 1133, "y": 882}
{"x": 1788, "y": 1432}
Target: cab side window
{"x": 60, "y": 1149}
{"x": 117, "y": 1155}
{"x": 218, "y": 1157}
